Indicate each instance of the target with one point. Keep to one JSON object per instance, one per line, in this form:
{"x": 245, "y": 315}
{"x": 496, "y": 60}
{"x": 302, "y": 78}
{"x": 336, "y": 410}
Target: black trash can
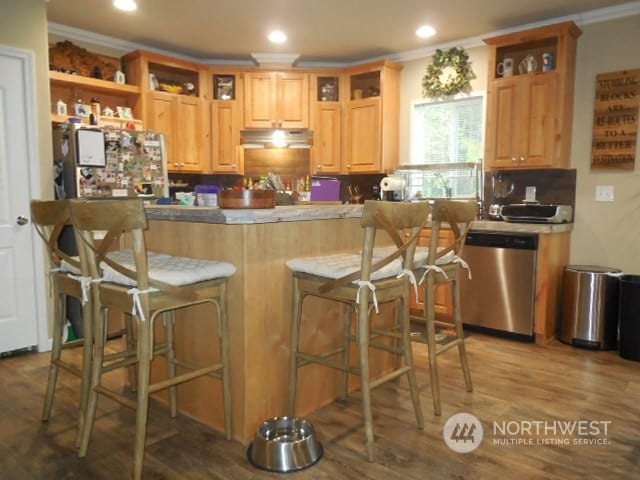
{"x": 629, "y": 315}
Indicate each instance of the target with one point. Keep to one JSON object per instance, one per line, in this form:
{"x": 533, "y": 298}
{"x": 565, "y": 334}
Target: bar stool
{"x": 50, "y": 218}
{"x": 362, "y": 282}
{"x": 147, "y": 284}
{"x": 444, "y": 265}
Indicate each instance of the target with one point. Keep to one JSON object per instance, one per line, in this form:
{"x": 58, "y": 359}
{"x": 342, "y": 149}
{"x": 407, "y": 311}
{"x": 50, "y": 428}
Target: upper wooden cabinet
{"x": 174, "y": 102}
{"x": 372, "y": 118}
{"x": 530, "y": 112}
{"x": 276, "y": 100}
{"x": 326, "y": 123}
{"x": 225, "y": 120}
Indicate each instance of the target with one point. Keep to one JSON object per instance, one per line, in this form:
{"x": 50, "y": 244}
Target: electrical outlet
{"x": 604, "y": 193}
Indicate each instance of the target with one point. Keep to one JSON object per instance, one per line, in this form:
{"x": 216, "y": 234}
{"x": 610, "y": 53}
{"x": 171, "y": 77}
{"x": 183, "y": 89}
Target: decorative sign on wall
{"x": 615, "y": 123}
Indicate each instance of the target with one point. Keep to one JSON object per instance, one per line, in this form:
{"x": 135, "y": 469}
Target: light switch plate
{"x": 604, "y": 193}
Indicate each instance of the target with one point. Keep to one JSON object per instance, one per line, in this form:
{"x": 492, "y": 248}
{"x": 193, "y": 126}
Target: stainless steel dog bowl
{"x": 284, "y": 444}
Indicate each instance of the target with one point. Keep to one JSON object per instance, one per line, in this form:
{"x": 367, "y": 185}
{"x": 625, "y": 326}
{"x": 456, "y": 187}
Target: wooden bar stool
{"x": 50, "y": 218}
{"x": 362, "y": 282}
{"x": 442, "y": 265}
{"x": 147, "y": 284}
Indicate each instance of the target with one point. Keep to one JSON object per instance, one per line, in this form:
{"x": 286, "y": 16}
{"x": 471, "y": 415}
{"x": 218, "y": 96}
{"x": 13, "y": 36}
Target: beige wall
{"x": 23, "y": 25}
{"x": 605, "y": 234}
{"x": 411, "y": 89}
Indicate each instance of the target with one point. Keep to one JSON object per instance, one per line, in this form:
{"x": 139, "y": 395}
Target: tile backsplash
{"x": 552, "y": 185}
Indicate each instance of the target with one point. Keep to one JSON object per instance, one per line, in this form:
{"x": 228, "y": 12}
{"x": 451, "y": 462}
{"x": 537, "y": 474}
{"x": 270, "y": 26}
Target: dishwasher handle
{"x": 518, "y": 241}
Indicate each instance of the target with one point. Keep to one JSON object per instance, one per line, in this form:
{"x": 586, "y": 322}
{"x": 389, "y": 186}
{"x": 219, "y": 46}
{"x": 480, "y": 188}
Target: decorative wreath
{"x": 450, "y": 73}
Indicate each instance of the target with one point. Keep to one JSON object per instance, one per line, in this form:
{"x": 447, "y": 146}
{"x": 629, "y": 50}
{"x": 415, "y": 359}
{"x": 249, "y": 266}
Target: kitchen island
{"x": 258, "y": 243}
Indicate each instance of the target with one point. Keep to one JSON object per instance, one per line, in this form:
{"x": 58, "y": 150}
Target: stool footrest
{"x": 192, "y": 366}
{"x": 69, "y": 367}
{"x": 170, "y": 382}
{"x": 327, "y": 362}
{"x": 443, "y": 348}
{"x": 389, "y": 376}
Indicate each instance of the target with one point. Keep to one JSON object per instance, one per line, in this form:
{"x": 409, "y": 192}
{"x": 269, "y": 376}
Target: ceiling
{"x": 319, "y": 31}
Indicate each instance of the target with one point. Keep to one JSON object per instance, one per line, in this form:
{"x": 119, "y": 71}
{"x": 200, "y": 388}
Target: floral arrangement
{"x": 449, "y": 73}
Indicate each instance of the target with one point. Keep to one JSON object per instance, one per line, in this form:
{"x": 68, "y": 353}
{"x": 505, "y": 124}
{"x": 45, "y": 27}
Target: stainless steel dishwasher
{"x": 500, "y": 297}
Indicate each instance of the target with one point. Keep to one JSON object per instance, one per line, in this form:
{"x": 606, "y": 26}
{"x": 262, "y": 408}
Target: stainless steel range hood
{"x": 276, "y": 138}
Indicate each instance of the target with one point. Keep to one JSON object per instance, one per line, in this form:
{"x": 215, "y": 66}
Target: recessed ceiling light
{"x": 277, "y": 36}
{"x": 425, "y": 31}
{"x": 126, "y": 5}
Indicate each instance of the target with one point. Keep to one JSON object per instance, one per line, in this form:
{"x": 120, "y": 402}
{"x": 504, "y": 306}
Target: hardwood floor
{"x": 515, "y": 384}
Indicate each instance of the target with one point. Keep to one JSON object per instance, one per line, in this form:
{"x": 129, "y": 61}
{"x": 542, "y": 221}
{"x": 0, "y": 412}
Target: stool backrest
{"x": 50, "y": 217}
{"x": 113, "y": 218}
{"x": 394, "y": 218}
{"x": 458, "y": 215}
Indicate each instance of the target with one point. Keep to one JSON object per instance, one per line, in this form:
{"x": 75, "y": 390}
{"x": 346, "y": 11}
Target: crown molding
{"x": 587, "y": 18}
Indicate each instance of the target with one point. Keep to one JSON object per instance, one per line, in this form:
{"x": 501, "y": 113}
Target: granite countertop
{"x": 499, "y": 226}
{"x": 289, "y": 213}
{"x": 294, "y": 213}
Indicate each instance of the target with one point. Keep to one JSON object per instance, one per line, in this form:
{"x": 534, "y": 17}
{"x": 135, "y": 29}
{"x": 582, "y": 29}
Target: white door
{"x": 18, "y": 154}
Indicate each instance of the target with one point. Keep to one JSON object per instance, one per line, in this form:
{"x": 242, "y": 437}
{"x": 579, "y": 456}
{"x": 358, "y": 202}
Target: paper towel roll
{"x": 388, "y": 184}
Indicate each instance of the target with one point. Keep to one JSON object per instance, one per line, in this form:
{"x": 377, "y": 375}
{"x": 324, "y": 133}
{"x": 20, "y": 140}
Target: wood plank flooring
{"x": 514, "y": 383}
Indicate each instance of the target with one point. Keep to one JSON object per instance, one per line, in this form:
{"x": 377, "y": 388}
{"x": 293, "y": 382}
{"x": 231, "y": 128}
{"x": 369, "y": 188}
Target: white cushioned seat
{"x": 337, "y": 265}
{"x": 173, "y": 270}
{"x": 69, "y": 268}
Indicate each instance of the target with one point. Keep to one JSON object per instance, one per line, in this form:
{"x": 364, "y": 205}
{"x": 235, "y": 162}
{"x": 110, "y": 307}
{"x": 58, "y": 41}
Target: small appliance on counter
{"x": 536, "y": 213}
{"x": 393, "y": 188}
{"x": 501, "y": 187}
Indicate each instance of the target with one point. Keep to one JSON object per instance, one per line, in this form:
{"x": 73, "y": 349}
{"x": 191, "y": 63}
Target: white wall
{"x": 605, "y": 234}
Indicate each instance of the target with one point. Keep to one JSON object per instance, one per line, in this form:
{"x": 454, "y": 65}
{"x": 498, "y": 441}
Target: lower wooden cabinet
{"x": 442, "y": 298}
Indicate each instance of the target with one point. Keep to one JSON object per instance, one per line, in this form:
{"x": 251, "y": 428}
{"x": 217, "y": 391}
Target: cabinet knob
{"x": 522, "y": 159}
{"x": 513, "y": 159}
{"x": 319, "y": 167}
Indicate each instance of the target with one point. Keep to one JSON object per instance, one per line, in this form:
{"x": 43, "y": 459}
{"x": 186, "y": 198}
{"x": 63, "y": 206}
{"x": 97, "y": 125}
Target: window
{"x": 446, "y": 148}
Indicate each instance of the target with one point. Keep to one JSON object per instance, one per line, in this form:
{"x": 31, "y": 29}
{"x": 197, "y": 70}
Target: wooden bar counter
{"x": 258, "y": 243}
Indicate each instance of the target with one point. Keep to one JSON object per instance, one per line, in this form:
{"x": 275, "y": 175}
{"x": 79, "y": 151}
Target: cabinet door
{"x": 276, "y": 100}
{"x": 326, "y": 123}
{"x": 225, "y": 137}
{"x": 503, "y": 124}
{"x": 179, "y": 117}
{"x": 363, "y": 140}
{"x": 520, "y": 126}
{"x": 159, "y": 118}
{"x": 259, "y": 100}
{"x": 189, "y": 133}
{"x": 538, "y": 136}
{"x": 292, "y": 100}
{"x": 442, "y": 297}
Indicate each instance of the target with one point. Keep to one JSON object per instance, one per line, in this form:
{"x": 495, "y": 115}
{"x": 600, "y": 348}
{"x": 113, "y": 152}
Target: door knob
{"x": 22, "y": 220}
